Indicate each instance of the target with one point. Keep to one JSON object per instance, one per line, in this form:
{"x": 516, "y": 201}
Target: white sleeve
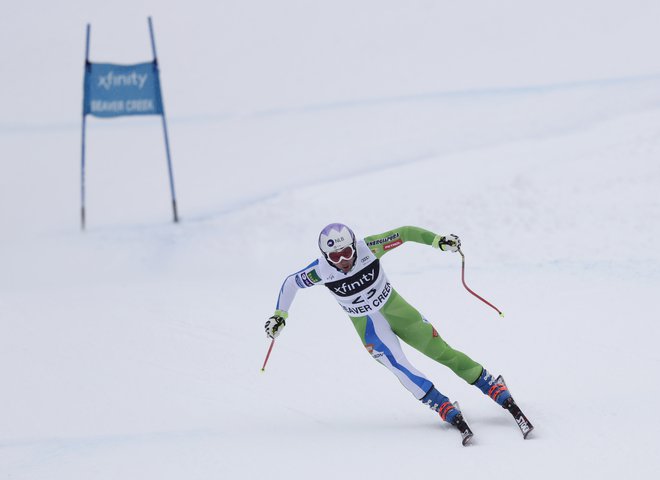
{"x": 307, "y": 277}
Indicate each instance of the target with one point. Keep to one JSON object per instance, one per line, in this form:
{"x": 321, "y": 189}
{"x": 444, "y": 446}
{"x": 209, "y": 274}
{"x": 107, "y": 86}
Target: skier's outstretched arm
{"x": 384, "y": 242}
{"x": 307, "y": 277}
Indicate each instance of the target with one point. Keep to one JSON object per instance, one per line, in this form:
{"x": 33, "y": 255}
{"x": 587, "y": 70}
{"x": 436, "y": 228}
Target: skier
{"x": 351, "y": 270}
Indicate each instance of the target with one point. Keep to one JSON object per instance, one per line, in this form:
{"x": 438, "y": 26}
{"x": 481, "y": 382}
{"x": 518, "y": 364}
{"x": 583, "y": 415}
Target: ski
{"x": 460, "y": 423}
{"x": 522, "y": 421}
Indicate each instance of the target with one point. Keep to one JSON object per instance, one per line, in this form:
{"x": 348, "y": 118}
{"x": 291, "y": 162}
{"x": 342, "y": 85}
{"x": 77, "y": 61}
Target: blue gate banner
{"x": 117, "y": 90}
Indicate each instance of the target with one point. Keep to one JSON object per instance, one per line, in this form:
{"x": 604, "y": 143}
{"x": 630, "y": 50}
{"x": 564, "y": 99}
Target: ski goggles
{"x": 346, "y": 252}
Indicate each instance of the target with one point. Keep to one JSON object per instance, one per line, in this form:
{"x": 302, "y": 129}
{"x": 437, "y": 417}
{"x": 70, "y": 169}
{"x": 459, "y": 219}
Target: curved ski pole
{"x": 263, "y": 369}
{"x": 469, "y": 290}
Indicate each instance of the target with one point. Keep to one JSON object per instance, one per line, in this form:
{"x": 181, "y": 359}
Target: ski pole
{"x": 268, "y": 355}
{"x": 469, "y": 290}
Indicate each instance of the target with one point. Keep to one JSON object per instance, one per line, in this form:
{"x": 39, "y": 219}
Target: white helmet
{"x": 336, "y": 237}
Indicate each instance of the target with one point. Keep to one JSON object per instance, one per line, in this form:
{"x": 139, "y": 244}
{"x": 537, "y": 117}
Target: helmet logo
{"x": 331, "y": 242}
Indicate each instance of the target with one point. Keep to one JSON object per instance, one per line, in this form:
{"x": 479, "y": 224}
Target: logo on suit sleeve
{"x": 391, "y": 245}
{"x": 305, "y": 280}
{"x": 313, "y": 276}
{"x": 390, "y": 239}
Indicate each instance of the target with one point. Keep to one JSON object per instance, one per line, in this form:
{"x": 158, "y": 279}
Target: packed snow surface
{"x": 134, "y": 349}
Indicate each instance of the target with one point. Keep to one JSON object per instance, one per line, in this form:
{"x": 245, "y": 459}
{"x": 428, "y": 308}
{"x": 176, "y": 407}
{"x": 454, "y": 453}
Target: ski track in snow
{"x": 472, "y": 94}
{"x": 237, "y": 205}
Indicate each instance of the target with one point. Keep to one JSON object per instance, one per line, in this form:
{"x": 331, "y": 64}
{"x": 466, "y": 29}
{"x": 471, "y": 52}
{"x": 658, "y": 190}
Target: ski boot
{"x": 493, "y": 388}
{"x": 449, "y": 412}
{"x": 498, "y": 391}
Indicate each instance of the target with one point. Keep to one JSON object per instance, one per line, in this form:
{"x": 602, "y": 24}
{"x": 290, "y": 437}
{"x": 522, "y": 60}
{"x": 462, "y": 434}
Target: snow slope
{"x": 134, "y": 350}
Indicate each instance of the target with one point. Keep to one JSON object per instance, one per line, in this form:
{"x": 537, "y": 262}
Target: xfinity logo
{"x": 355, "y": 284}
{"x": 362, "y": 280}
{"x": 133, "y": 79}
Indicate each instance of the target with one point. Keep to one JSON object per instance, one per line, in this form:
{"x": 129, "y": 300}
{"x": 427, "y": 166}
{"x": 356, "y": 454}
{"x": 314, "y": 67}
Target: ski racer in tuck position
{"x": 351, "y": 270}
